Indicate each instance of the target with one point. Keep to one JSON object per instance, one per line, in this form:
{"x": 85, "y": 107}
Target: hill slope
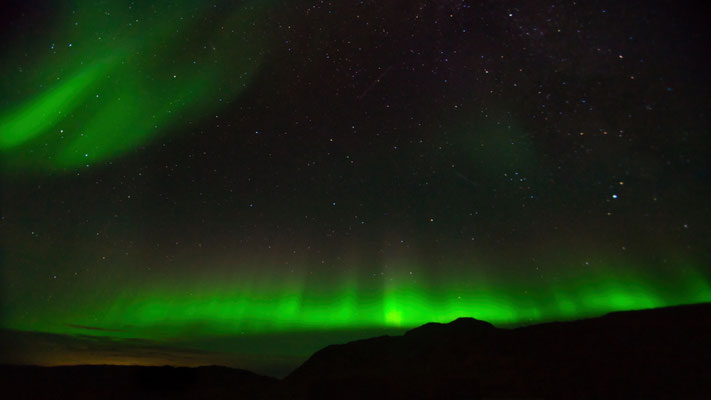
{"x": 650, "y": 353}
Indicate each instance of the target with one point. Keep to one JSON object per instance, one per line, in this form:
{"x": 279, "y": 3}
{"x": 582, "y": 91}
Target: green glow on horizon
{"x": 267, "y": 304}
{"x": 126, "y": 79}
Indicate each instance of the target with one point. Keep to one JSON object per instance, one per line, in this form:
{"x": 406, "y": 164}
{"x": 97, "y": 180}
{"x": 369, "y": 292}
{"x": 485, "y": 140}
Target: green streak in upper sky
{"x": 119, "y": 76}
{"x": 38, "y": 115}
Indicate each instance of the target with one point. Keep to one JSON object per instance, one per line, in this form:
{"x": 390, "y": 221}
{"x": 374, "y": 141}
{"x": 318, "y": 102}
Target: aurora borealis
{"x": 114, "y": 80}
{"x": 190, "y": 173}
{"x": 267, "y": 304}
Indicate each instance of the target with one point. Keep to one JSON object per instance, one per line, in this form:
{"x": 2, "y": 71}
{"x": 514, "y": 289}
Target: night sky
{"x": 185, "y": 173}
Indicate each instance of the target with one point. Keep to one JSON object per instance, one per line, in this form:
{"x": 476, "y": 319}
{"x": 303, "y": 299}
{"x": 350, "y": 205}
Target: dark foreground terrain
{"x": 130, "y": 382}
{"x": 660, "y": 353}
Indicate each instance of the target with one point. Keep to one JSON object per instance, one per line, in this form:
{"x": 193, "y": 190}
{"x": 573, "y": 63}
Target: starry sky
{"x": 184, "y": 173}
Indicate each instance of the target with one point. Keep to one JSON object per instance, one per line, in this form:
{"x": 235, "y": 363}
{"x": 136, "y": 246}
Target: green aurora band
{"x": 264, "y": 302}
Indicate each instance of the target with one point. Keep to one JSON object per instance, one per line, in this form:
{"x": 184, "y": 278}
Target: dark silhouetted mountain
{"x": 660, "y": 353}
{"x": 130, "y": 382}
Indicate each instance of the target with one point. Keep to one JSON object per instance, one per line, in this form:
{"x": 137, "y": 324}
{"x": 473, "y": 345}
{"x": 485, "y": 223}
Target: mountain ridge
{"x": 653, "y": 353}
